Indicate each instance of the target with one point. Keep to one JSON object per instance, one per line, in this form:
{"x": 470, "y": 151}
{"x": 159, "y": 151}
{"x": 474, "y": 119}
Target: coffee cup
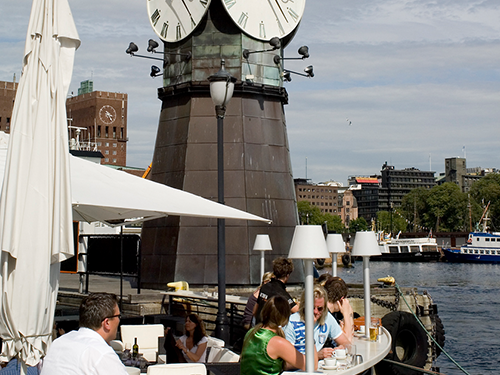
{"x": 330, "y": 362}
{"x": 362, "y": 329}
{"x": 340, "y": 353}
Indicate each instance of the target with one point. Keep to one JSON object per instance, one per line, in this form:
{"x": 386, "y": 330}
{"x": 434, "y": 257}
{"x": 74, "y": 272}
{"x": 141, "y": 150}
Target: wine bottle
{"x": 135, "y": 349}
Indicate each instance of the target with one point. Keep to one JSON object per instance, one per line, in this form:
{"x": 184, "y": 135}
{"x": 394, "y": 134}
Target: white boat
{"x": 407, "y": 249}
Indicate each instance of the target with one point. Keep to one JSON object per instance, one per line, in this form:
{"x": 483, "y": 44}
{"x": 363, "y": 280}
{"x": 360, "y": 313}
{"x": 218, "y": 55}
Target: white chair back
{"x": 132, "y": 370}
{"x": 214, "y": 341}
{"x": 226, "y": 355}
{"x": 147, "y": 338}
{"x": 178, "y": 369}
{"x": 117, "y": 345}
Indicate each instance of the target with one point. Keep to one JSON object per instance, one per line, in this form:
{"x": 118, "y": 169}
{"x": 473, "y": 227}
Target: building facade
{"x": 97, "y": 121}
{"x": 330, "y": 197}
{"x": 7, "y": 97}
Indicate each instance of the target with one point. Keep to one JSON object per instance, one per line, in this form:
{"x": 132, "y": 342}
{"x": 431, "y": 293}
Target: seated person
{"x": 265, "y": 350}
{"x": 339, "y": 305}
{"x": 248, "y": 319}
{"x": 282, "y": 269}
{"x": 191, "y": 347}
{"x": 325, "y": 326}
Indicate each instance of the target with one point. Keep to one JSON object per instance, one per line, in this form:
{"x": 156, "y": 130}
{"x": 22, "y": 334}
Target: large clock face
{"x": 107, "y": 114}
{"x": 266, "y": 19}
{"x": 174, "y": 20}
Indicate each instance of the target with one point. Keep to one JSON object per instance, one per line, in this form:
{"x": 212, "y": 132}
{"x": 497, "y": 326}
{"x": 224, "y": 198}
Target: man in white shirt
{"x": 87, "y": 350}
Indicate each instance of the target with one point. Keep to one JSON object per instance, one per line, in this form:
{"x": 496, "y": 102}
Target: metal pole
{"x": 334, "y": 264}
{"x": 121, "y": 268}
{"x": 221, "y": 321}
{"x": 366, "y": 286}
{"x": 262, "y": 267}
{"x": 309, "y": 315}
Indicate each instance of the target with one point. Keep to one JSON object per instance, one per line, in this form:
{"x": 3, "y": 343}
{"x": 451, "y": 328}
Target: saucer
{"x": 324, "y": 367}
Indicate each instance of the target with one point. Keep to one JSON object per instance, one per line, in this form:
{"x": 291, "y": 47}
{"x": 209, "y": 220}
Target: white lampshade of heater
{"x": 262, "y": 242}
{"x": 365, "y": 244}
{"x": 335, "y": 243}
{"x": 308, "y": 243}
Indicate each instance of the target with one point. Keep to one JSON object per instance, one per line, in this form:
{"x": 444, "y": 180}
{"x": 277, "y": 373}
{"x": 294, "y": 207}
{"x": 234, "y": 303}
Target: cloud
{"x": 418, "y": 79}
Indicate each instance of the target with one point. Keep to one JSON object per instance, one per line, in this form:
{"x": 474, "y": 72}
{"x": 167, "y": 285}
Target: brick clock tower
{"x": 257, "y": 170}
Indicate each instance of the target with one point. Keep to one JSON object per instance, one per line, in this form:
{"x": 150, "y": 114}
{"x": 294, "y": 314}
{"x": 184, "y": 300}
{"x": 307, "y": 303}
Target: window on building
{"x": 107, "y": 144}
{"x": 114, "y": 144}
{"x": 8, "y": 120}
{"x": 114, "y": 160}
{"x": 121, "y": 133}
{"x": 99, "y": 131}
{"x": 106, "y": 152}
{"x": 106, "y": 134}
{"x": 114, "y": 152}
{"x": 106, "y": 160}
{"x": 114, "y": 131}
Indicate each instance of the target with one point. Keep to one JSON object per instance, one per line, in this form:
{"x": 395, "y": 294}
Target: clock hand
{"x": 190, "y": 16}
{"x": 277, "y": 19}
{"x": 279, "y": 6}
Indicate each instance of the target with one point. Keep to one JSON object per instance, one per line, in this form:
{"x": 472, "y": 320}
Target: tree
{"x": 447, "y": 208}
{"x": 358, "y": 225}
{"x": 384, "y": 222}
{"x": 487, "y": 189}
{"x": 312, "y": 215}
{"x": 413, "y": 208}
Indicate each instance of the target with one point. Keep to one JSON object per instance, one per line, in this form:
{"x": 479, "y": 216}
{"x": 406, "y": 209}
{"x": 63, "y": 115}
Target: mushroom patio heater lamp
{"x": 262, "y": 244}
{"x": 221, "y": 92}
{"x": 309, "y": 243}
{"x": 335, "y": 245}
{"x": 365, "y": 245}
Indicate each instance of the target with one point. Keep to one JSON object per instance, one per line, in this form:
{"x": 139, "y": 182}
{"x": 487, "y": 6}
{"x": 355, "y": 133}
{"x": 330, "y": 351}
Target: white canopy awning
{"x": 100, "y": 193}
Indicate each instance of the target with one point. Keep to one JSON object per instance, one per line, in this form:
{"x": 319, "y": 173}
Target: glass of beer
{"x": 374, "y": 330}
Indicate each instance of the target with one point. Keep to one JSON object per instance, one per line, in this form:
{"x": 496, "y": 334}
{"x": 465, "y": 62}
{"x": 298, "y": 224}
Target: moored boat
{"x": 481, "y": 247}
{"x": 407, "y": 249}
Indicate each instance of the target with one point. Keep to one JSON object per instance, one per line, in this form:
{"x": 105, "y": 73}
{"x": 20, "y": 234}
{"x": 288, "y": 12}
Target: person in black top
{"x": 282, "y": 268}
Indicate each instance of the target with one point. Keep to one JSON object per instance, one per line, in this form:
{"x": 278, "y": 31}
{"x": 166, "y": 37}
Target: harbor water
{"x": 468, "y": 299}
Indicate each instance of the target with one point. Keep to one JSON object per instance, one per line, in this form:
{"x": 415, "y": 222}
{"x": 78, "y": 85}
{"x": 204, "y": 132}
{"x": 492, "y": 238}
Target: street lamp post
{"x": 221, "y": 92}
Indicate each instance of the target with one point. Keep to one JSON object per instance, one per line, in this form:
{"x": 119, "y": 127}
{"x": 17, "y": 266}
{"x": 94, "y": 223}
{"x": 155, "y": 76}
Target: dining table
{"x": 372, "y": 352}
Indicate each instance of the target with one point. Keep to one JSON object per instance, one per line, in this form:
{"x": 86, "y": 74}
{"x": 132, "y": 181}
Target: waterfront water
{"x": 468, "y": 302}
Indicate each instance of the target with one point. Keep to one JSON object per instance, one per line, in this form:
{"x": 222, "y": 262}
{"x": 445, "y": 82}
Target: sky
{"x": 407, "y": 82}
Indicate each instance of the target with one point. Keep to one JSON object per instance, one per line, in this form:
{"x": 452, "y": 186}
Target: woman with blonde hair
{"x": 265, "y": 349}
{"x": 325, "y": 326}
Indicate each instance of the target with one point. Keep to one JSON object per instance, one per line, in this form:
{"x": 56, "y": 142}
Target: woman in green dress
{"x": 265, "y": 349}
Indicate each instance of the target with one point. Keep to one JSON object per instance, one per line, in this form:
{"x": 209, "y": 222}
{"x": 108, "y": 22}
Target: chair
{"x": 147, "y": 338}
{"x": 117, "y": 345}
{"x": 214, "y": 347}
{"x": 178, "y": 369}
{"x": 226, "y": 355}
{"x": 213, "y": 341}
{"x": 132, "y": 370}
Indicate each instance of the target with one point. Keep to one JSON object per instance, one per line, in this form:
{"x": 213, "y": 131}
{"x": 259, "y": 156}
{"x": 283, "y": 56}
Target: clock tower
{"x": 257, "y": 169}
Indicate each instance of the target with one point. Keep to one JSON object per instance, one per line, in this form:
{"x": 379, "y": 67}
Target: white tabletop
{"x": 208, "y": 297}
{"x": 372, "y": 352}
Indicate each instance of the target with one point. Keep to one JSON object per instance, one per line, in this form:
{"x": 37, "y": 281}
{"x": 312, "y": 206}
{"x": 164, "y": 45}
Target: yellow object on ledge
{"x": 179, "y": 285}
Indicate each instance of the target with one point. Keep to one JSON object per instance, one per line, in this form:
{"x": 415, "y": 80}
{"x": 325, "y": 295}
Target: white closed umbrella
{"x": 35, "y": 206}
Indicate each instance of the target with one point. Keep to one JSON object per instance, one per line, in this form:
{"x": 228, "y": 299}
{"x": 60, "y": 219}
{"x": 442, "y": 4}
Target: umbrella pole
{"x": 121, "y": 268}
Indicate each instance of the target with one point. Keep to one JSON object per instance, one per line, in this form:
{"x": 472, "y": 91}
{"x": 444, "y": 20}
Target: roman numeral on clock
{"x": 292, "y": 14}
{"x": 178, "y": 32}
{"x": 164, "y": 29}
{"x": 155, "y": 17}
{"x": 229, "y": 3}
{"x": 243, "y": 19}
{"x": 204, "y": 3}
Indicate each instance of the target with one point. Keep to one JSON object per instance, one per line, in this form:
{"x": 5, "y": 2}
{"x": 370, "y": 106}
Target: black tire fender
{"x": 409, "y": 344}
{"x": 346, "y": 259}
{"x": 439, "y": 336}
